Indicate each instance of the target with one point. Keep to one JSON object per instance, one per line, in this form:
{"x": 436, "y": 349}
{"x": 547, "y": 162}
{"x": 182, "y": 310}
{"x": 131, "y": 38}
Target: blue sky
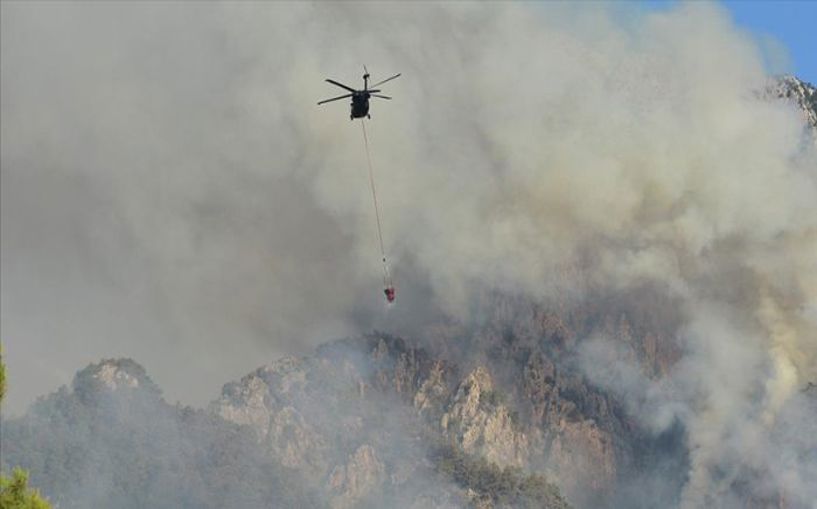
{"x": 791, "y": 24}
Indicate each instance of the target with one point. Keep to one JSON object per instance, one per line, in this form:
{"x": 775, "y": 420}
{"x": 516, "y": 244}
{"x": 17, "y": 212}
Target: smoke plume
{"x": 171, "y": 192}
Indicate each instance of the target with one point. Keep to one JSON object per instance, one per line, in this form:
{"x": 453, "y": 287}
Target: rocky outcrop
{"x": 362, "y": 473}
{"x": 245, "y": 403}
{"x": 800, "y": 92}
{"x": 434, "y": 391}
{"x": 564, "y": 413}
{"x": 112, "y": 376}
{"x": 297, "y": 445}
{"x": 360, "y": 420}
{"x": 266, "y": 401}
{"x": 123, "y": 376}
{"x": 481, "y": 424}
{"x": 251, "y": 400}
{"x": 323, "y": 415}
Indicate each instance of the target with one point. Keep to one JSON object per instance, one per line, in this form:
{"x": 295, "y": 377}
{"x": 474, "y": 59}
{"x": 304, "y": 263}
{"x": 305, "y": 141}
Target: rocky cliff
{"x": 801, "y": 93}
{"x": 372, "y": 409}
{"x": 364, "y": 415}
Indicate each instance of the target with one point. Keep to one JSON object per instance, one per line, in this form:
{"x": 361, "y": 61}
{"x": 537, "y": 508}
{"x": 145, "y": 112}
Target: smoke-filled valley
{"x": 602, "y": 224}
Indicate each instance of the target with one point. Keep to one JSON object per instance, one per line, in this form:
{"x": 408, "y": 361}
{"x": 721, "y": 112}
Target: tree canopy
{"x": 14, "y": 490}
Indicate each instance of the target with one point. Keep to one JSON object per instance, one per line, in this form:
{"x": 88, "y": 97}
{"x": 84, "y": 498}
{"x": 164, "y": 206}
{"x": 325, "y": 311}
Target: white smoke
{"x": 171, "y": 191}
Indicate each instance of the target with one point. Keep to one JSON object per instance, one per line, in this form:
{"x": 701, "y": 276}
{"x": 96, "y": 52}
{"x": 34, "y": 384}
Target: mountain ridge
{"x": 346, "y": 472}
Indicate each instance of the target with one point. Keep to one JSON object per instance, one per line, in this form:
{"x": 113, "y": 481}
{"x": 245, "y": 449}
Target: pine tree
{"x": 14, "y": 491}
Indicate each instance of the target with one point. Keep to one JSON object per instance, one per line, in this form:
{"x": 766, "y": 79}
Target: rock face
{"x": 433, "y": 393}
{"x": 244, "y": 403}
{"x": 376, "y": 421}
{"x": 357, "y": 478}
{"x": 327, "y": 415}
{"x": 361, "y": 414}
{"x": 263, "y": 401}
{"x": 479, "y": 423}
{"x": 801, "y": 93}
{"x": 361, "y": 418}
{"x": 112, "y": 375}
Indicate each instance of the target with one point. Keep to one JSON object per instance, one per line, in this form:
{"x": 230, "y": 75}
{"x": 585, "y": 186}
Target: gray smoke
{"x": 172, "y": 193}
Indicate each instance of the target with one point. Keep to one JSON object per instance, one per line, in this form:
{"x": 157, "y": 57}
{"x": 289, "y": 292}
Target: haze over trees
{"x": 14, "y": 490}
{"x": 91, "y": 446}
{"x": 110, "y": 440}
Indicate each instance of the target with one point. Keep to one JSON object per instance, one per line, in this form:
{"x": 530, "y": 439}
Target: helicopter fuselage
{"x": 360, "y": 105}
{"x": 360, "y": 98}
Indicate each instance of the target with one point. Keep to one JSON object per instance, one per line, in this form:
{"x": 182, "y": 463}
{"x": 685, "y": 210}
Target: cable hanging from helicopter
{"x": 360, "y": 109}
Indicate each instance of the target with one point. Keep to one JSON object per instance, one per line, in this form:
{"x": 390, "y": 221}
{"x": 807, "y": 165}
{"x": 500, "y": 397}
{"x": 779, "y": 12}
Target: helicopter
{"x": 360, "y": 98}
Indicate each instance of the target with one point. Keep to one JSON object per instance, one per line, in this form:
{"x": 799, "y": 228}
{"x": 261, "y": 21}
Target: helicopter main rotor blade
{"x": 341, "y": 85}
{"x": 335, "y": 98}
{"x": 381, "y": 96}
{"x": 385, "y": 80}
